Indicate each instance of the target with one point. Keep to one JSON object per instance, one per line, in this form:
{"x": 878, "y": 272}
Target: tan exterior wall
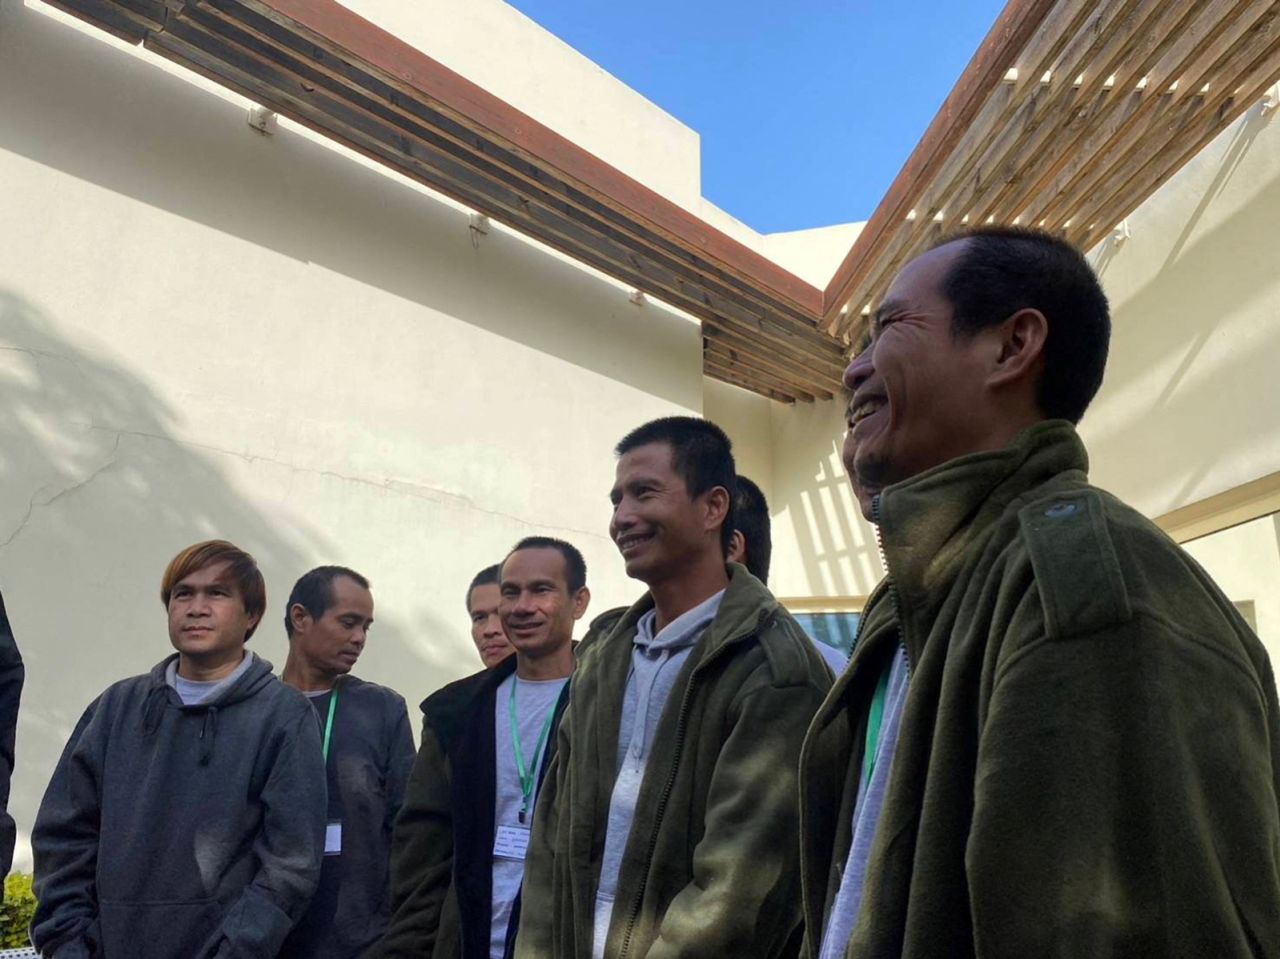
{"x": 1245, "y": 562}
{"x": 1189, "y": 407}
{"x": 207, "y": 332}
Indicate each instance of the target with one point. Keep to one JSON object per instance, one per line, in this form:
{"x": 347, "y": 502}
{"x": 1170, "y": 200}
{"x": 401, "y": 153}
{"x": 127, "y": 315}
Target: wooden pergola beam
{"x": 1070, "y": 114}
{"x": 1077, "y": 145}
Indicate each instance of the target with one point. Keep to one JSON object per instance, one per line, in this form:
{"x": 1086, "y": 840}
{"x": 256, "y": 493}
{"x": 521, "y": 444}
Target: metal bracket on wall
{"x": 479, "y": 225}
{"x": 263, "y": 120}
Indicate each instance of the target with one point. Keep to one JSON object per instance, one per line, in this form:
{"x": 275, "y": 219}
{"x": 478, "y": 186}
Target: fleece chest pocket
{"x": 1075, "y": 563}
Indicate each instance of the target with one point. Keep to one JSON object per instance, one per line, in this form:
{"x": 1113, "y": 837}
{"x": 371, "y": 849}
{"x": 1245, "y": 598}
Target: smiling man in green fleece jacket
{"x": 668, "y": 825}
{"x": 1056, "y": 736}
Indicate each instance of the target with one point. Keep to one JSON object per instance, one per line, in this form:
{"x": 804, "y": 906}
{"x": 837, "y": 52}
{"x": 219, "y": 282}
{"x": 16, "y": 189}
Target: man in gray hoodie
{"x": 186, "y": 817}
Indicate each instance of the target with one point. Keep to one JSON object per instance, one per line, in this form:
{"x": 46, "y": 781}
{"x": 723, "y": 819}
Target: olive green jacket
{"x": 1087, "y": 760}
{"x": 710, "y": 869}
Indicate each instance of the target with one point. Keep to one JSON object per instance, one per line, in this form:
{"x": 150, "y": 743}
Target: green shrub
{"x": 16, "y": 911}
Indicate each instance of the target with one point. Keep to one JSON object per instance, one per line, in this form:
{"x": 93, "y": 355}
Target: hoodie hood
{"x": 160, "y": 695}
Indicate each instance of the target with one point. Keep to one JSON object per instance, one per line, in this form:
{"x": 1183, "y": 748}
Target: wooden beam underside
{"x": 1084, "y": 115}
{"x": 1069, "y": 116}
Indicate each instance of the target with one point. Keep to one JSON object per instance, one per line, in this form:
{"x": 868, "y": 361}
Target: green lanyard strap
{"x": 874, "y": 719}
{"x": 328, "y": 723}
{"x": 528, "y": 775}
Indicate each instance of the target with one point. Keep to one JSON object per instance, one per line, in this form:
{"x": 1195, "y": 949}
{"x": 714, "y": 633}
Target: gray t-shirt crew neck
{"x": 193, "y": 692}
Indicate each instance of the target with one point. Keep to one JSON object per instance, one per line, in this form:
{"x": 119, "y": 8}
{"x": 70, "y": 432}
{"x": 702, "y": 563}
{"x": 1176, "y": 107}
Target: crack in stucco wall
{"x": 389, "y": 485}
{"x": 36, "y": 502}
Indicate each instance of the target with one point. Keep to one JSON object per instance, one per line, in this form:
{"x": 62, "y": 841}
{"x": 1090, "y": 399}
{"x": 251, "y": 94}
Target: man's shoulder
{"x": 1096, "y": 561}
{"x": 446, "y": 710}
{"x": 790, "y": 653}
{"x": 375, "y": 694}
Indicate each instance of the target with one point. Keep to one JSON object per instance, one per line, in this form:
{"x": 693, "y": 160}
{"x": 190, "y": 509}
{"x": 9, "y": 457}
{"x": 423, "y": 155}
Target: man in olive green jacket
{"x": 668, "y": 824}
{"x": 1056, "y": 737}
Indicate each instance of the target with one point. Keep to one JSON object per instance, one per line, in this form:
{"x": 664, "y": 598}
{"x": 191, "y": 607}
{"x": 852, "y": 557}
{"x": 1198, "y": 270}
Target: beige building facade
{"x": 207, "y": 331}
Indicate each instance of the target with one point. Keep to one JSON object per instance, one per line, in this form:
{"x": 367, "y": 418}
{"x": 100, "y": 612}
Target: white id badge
{"x": 333, "y": 838}
{"x": 511, "y": 842}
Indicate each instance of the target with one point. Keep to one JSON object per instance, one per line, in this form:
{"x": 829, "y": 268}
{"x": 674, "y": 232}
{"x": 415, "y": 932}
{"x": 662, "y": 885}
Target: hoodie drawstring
{"x": 208, "y": 734}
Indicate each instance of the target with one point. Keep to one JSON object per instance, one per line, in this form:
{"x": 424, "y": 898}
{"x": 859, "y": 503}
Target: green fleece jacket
{"x": 710, "y": 869}
{"x": 1087, "y": 761}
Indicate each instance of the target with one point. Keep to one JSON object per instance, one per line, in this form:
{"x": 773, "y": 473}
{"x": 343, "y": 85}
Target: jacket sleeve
{"x": 421, "y": 856}
{"x": 1126, "y": 801}
{"x": 400, "y": 755}
{"x": 65, "y": 846}
{"x": 535, "y": 938}
{"x": 289, "y": 848}
{"x": 11, "y": 678}
{"x": 744, "y": 899}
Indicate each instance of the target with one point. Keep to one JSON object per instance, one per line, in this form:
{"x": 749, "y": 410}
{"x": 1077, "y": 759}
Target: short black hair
{"x": 751, "y": 519}
{"x": 314, "y": 591}
{"x": 701, "y": 455}
{"x": 489, "y": 576}
{"x": 575, "y": 566}
{"x": 1003, "y": 269}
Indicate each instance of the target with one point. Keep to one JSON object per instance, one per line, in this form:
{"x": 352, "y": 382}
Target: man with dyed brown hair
{"x": 186, "y": 816}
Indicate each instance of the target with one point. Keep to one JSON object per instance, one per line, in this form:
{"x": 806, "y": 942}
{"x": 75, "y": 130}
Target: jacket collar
{"x": 928, "y": 522}
{"x": 745, "y": 606}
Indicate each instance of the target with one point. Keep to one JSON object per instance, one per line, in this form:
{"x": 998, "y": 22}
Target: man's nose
{"x": 859, "y": 369}
{"x": 622, "y": 518}
{"x": 493, "y": 626}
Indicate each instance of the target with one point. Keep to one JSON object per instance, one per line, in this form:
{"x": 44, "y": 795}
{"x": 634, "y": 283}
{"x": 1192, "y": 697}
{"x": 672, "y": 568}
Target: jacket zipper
{"x": 676, "y": 753}
{"x": 889, "y": 587}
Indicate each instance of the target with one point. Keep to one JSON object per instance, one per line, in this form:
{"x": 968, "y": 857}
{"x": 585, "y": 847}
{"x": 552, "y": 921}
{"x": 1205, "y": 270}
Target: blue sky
{"x": 807, "y": 110}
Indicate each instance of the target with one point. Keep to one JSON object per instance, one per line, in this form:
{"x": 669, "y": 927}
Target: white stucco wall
{"x": 1189, "y": 407}
{"x": 1245, "y": 562}
{"x": 207, "y": 332}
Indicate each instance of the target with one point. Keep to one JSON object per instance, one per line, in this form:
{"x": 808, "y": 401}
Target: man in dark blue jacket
{"x": 186, "y": 817}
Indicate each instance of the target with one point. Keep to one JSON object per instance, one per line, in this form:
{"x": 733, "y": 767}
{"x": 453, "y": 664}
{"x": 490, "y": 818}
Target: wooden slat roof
{"x": 1108, "y": 100}
{"x": 1071, "y": 115}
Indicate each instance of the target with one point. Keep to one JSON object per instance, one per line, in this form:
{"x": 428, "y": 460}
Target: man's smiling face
{"x": 658, "y": 527}
{"x": 916, "y": 389}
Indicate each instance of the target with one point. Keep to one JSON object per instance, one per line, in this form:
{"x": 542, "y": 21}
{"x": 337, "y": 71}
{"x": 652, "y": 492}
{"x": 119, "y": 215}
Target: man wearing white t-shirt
{"x": 486, "y": 744}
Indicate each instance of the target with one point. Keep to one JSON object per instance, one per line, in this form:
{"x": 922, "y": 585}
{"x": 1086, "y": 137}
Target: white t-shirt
{"x": 535, "y": 701}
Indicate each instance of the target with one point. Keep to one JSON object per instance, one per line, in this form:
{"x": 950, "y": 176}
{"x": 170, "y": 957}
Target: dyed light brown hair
{"x": 242, "y": 571}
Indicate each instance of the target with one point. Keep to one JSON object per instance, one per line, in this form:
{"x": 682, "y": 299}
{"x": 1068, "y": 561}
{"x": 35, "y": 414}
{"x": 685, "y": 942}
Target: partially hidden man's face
{"x": 486, "y": 625}
{"x": 657, "y": 526}
{"x": 538, "y": 609}
{"x": 334, "y": 641}
{"x": 916, "y": 387}
{"x": 207, "y": 618}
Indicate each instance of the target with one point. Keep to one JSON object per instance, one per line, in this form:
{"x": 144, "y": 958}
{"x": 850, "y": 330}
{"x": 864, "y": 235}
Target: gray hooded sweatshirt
{"x": 181, "y": 832}
{"x": 656, "y": 662}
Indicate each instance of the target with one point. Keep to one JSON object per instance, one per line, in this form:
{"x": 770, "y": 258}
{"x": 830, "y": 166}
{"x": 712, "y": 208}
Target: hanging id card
{"x": 333, "y": 838}
{"x": 511, "y": 842}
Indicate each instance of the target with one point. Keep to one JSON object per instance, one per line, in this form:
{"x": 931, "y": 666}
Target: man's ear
{"x": 581, "y": 599}
{"x": 299, "y": 617}
{"x": 737, "y": 547}
{"x": 716, "y": 508}
{"x": 1018, "y": 348}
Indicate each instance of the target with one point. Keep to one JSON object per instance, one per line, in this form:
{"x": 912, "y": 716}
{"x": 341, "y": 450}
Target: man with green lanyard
{"x": 460, "y": 842}
{"x": 368, "y": 751}
{"x": 1083, "y": 761}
